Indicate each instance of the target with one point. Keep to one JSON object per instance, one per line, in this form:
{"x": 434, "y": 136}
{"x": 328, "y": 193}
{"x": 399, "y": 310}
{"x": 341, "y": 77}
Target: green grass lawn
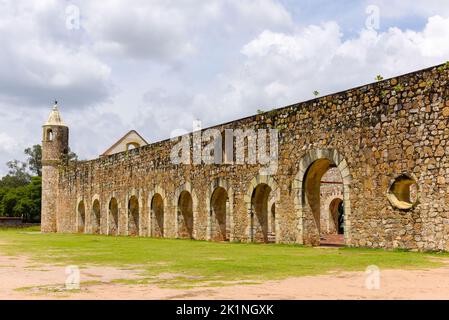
{"x": 201, "y": 261}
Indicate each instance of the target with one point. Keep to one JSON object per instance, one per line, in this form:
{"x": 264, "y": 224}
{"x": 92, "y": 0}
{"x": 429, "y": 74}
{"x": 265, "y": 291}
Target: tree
{"x": 72, "y": 156}
{"x": 17, "y": 175}
{"x": 20, "y": 192}
{"x": 23, "y": 201}
{"x": 35, "y": 159}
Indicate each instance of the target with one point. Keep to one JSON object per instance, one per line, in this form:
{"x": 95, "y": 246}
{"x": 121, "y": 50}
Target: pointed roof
{"x": 55, "y": 118}
{"x": 131, "y": 137}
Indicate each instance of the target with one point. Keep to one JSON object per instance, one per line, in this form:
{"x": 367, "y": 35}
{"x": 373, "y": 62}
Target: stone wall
{"x": 371, "y": 134}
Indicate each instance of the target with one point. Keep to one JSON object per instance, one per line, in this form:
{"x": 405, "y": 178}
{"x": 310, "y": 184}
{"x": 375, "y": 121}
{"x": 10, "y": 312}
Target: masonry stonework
{"x": 383, "y": 139}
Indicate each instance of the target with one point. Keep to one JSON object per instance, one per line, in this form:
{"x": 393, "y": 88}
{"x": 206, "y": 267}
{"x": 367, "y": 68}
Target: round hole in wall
{"x": 403, "y": 192}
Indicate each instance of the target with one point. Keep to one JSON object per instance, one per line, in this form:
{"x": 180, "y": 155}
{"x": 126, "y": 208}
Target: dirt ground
{"x": 21, "y": 278}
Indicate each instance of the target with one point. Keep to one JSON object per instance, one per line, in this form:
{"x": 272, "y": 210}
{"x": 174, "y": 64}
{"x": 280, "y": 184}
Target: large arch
{"x": 185, "y": 215}
{"x": 306, "y": 188}
{"x": 132, "y": 223}
{"x": 261, "y": 199}
{"x": 133, "y": 216}
{"x": 81, "y": 217}
{"x": 157, "y": 202}
{"x": 218, "y": 215}
{"x": 113, "y": 217}
{"x": 336, "y": 215}
{"x": 186, "y": 203}
{"x": 219, "y": 205}
{"x": 96, "y": 216}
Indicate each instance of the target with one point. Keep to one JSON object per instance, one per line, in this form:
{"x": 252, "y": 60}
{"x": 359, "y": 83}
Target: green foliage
{"x": 259, "y": 111}
{"x": 379, "y": 77}
{"x": 398, "y": 88}
{"x": 17, "y": 174}
{"x": 316, "y": 93}
{"x": 20, "y": 189}
{"x": 23, "y": 201}
{"x": 444, "y": 67}
{"x": 35, "y": 159}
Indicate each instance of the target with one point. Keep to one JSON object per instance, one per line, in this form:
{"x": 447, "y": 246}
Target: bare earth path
{"x": 45, "y": 281}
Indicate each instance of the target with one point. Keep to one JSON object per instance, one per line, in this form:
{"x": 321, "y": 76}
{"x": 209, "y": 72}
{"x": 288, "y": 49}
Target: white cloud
{"x": 167, "y": 31}
{"x": 284, "y": 68}
{"x": 401, "y": 8}
{"x": 157, "y": 65}
{"x": 7, "y": 143}
{"x": 38, "y": 64}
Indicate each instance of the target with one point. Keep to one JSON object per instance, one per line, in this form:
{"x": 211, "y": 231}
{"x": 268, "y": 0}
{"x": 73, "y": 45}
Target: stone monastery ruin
{"x": 371, "y": 163}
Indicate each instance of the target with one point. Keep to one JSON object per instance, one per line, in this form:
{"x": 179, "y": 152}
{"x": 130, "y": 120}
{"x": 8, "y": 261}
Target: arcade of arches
{"x": 385, "y": 146}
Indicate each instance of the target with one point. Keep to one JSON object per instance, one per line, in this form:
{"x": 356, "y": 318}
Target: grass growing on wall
{"x": 201, "y": 261}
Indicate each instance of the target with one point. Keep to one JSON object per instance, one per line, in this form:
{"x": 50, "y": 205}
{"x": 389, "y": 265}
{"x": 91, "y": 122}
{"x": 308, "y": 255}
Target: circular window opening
{"x": 403, "y": 193}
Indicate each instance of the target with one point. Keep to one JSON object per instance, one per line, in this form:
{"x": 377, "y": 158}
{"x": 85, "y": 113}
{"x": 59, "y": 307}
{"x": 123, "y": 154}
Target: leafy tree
{"x": 34, "y": 159}
{"x": 21, "y": 188}
{"x": 23, "y": 201}
{"x": 71, "y": 156}
{"x": 17, "y": 175}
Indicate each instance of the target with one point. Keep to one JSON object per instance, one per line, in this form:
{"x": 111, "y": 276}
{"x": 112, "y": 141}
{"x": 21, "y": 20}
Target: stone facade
{"x": 383, "y": 138}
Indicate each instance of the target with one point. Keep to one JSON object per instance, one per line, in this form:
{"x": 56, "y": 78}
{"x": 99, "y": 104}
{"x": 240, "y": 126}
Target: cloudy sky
{"x": 157, "y": 65}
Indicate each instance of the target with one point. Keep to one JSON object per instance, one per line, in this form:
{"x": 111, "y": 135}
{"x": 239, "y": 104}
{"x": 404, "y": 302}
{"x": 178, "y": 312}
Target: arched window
{"x": 49, "y": 135}
{"x": 132, "y": 145}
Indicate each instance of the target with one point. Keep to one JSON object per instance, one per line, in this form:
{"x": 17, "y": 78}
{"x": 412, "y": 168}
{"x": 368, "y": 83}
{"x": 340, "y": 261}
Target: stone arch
{"x": 157, "y": 202}
{"x": 313, "y": 164}
{"x": 95, "y": 217}
{"x": 186, "y": 203}
{"x": 329, "y": 209}
{"x": 113, "y": 216}
{"x": 219, "y": 205}
{"x": 336, "y": 216}
{"x": 134, "y": 210}
{"x": 80, "y": 216}
{"x": 263, "y": 193}
{"x": 132, "y": 145}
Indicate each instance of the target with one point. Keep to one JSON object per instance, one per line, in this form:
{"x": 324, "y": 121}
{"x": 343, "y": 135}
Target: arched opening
{"x": 403, "y": 192}
{"x": 157, "y": 211}
{"x": 259, "y": 213}
{"x": 113, "y": 217}
{"x": 132, "y": 145}
{"x": 322, "y": 180}
{"x": 218, "y": 204}
{"x": 49, "y": 135}
{"x": 81, "y": 217}
{"x": 96, "y": 217}
{"x": 185, "y": 215}
{"x": 133, "y": 216}
{"x": 336, "y": 216}
{"x": 272, "y": 224}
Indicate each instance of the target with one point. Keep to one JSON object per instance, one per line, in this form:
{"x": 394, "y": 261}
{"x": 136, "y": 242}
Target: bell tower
{"x": 55, "y": 146}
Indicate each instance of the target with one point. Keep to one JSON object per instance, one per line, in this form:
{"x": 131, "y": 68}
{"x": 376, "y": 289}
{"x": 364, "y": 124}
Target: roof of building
{"x": 143, "y": 142}
{"x": 55, "y": 118}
